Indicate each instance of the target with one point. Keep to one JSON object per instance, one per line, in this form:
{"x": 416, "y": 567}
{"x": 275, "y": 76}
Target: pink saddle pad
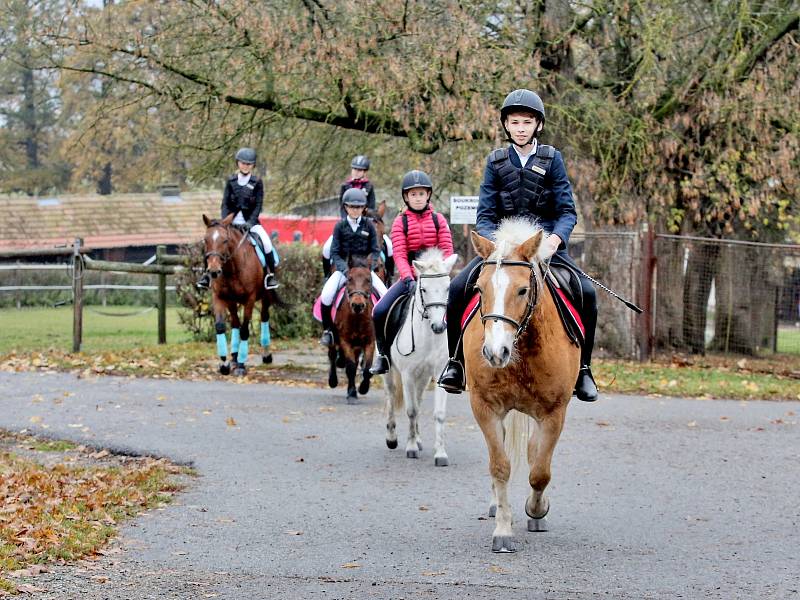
{"x": 316, "y": 311}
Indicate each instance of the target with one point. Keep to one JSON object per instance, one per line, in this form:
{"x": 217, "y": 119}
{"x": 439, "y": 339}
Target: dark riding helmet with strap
{"x": 523, "y": 101}
{"x": 246, "y": 155}
{"x": 360, "y": 162}
{"x": 416, "y": 179}
{"x": 354, "y": 197}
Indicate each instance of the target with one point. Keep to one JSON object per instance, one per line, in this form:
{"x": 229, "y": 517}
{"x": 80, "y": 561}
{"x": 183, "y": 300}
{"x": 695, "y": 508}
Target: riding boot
{"x": 585, "y": 387}
{"x": 326, "y": 267}
{"x": 327, "y": 325}
{"x": 389, "y": 264}
{"x": 381, "y": 363}
{"x": 204, "y": 282}
{"x": 270, "y": 282}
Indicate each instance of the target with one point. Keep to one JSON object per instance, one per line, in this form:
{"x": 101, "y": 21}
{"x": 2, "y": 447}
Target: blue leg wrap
{"x": 242, "y": 352}
{"x": 265, "y": 335}
{"x": 222, "y": 346}
{"x": 235, "y": 340}
{"x": 277, "y": 258}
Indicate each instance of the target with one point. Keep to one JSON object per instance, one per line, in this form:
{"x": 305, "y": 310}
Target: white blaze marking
{"x": 215, "y": 237}
{"x": 500, "y": 283}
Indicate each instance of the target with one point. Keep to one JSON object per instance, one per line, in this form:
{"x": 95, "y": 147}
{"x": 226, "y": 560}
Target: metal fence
{"x": 726, "y": 296}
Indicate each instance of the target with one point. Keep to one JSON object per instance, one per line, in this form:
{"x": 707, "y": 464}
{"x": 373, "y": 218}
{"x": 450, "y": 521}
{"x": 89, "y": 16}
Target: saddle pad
{"x": 259, "y": 250}
{"x": 316, "y": 311}
{"x": 570, "y": 318}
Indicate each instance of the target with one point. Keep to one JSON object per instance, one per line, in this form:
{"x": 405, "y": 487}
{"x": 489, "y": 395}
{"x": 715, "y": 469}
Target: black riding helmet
{"x": 416, "y": 179}
{"x": 354, "y": 197}
{"x": 522, "y": 101}
{"x": 246, "y": 155}
{"x": 360, "y": 162}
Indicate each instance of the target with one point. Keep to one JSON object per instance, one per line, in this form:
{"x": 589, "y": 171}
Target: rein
{"x": 533, "y": 296}
{"x": 228, "y": 255}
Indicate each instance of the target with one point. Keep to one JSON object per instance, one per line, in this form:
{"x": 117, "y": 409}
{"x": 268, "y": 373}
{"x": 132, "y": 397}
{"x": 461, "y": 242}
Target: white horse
{"x": 419, "y": 353}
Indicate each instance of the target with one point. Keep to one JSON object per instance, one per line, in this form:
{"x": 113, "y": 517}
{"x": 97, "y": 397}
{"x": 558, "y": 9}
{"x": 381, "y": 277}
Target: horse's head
{"x": 433, "y": 283}
{"x": 219, "y": 244}
{"x": 510, "y": 285}
{"x": 359, "y": 283}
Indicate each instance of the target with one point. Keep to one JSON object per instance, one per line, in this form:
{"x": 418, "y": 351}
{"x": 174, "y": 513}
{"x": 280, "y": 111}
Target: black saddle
{"x": 564, "y": 279}
{"x": 395, "y": 319}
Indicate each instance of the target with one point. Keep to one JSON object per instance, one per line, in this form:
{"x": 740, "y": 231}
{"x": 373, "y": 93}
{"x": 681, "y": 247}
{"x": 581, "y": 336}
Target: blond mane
{"x": 511, "y": 233}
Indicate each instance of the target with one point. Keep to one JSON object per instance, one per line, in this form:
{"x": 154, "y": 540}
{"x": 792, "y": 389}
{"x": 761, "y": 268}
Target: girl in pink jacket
{"x": 416, "y": 229}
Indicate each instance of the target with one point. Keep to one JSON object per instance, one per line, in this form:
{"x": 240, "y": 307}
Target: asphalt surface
{"x": 298, "y": 497}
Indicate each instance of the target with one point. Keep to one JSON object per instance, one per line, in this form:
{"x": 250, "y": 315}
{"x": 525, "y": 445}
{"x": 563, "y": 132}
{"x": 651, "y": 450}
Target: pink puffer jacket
{"x": 421, "y": 234}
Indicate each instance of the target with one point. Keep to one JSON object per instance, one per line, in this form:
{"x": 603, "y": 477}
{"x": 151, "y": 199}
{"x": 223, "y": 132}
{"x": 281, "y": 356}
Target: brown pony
{"x": 236, "y": 280}
{"x": 354, "y": 331}
{"x": 518, "y": 358}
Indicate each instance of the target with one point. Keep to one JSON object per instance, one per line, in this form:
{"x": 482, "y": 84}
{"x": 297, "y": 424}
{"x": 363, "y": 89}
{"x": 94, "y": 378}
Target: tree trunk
{"x": 668, "y": 299}
{"x": 700, "y": 269}
{"x": 104, "y": 186}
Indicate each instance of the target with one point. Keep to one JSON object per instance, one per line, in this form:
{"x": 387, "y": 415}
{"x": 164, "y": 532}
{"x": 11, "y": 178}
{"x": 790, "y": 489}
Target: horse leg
{"x": 244, "y": 333}
{"x": 439, "y": 411}
{"x": 411, "y": 395}
{"x": 393, "y": 400}
{"x": 540, "y": 452}
{"x": 222, "y": 340}
{"x": 491, "y": 425}
{"x": 233, "y": 311}
{"x": 333, "y": 378}
{"x": 266, "y": 338}
{"x": 369, "y": 353}
{"x": 351, "y": 368}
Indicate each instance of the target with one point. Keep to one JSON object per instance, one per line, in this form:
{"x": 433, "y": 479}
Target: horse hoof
{"x": 538, "y": 524}
{"x": 364, "y": 387}
{"x": 240, "y": 371}
{"x": 225, "y": 369}
{"x": 503, "y": 544}
{"x": 493, "y": 510}
{"x": 412, "y": 454}
{"x": 352, "y": 398}
{"x": 266, "y": 360}
{"x": 391, "y": 444}
{"x": 333, "y": 380}
{"x": 441, "y": 461}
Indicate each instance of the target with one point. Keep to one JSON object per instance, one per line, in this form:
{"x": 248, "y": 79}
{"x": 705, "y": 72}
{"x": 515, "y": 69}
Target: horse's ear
{"x": 450, "y": 261}
{"x": 228, "y": 220}
{"x": 530, "y": 247}
{"x": 381, "y": 209}
{"x": 483, "y": 246}
{"x": 207, "y": 221}
{"x": 419, "y": 267}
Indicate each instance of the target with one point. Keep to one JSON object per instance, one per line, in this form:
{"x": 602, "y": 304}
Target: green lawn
{"x": 51, "y": 328}
{"x": 789, "y": 340}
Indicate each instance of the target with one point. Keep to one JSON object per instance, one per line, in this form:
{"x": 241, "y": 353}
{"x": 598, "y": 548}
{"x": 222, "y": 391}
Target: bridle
{"x": 367, "y": 295}
{"x": 426, "y": 305}
{"x": 536, "y": 282}
{"x": 228, "y": 254}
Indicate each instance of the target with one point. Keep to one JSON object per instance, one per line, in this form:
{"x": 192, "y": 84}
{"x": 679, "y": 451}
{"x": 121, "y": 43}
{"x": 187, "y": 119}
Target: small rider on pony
{"x": 414, "y": 230}
{"x": 243, "y": 197}
{"x": 526, "y": 179}
{"x": 354, "y": 235}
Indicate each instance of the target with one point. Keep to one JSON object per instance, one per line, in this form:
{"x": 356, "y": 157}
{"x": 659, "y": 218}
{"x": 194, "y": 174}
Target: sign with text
{"x": 463, "y": 210}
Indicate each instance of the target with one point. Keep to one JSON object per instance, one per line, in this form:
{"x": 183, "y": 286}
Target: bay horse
{"x": 376, "y": 216}
{"x": 354, "y": 332}
{"x": 519, "y": 360}
{"x": 236, "y": 280}
{"x": 419, "y": 352}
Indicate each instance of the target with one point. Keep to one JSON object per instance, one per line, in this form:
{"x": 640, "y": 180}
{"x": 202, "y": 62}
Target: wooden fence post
{"x": 77, "y": 296}
{"x": 162, "y": 296}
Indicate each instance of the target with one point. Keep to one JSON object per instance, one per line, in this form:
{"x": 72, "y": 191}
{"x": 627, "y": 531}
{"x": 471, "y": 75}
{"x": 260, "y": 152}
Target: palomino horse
{"x": 236, "y": 280}
{"x": 419, "y": 352}
{"x": 518, "y": 358}
{"x": 354, "y": 331}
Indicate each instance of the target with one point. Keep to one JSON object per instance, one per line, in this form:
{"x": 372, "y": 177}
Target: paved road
{"x": 651, "y": 497}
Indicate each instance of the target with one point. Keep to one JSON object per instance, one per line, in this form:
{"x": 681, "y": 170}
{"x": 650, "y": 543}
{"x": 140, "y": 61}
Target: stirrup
{"x": 270, "y": 283}
{"x": 203, "y": 283}
{"x": 327, "y": 338}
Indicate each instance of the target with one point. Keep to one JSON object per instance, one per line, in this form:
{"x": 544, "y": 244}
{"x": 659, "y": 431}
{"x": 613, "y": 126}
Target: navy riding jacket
{"x": 557, "y": 198}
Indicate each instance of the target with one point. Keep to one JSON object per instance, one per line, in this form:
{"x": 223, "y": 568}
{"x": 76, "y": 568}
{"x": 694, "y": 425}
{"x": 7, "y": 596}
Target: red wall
{"x": 313, "y": 229}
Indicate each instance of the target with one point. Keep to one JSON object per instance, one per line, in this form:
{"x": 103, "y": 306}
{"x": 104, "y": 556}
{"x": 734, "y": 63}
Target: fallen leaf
{"x": 602, "y": 423}
{"x": 433, "y": 573}
{"x": 498, "y": 569}
{"x": 29, "y": 589}
{"x": 351, "y": 565}
{"x": 327, "y": 409}
{"x": 36, "y": 419}
{"x": 291, "y": 532}
{"x": 231, "y": 422}
{"x": 424, "y": 508}
{"x": 692, "y": 424}
{"x": 724, "y": 419}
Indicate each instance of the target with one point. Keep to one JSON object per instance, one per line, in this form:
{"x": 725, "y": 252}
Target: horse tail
{"x": 517, "y": 428}
{"x": 271, "y": 296}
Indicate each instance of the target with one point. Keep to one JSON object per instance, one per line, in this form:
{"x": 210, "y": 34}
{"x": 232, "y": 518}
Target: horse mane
{"x": 358, "y": 260}
{"x": 511, "y": 233}
{"x": 434, "y": 257}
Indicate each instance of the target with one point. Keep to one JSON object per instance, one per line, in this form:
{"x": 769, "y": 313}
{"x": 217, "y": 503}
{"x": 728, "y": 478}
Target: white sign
{"x": 463, "y": 210}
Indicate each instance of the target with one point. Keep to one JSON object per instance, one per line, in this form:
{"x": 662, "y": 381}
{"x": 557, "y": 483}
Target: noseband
{"x": 533, "y": 296}
{"x": 223, "y": 257}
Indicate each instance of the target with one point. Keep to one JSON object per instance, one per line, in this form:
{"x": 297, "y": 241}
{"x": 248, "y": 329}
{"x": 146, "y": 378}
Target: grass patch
{"x": 52, "y": 445}
{"x": 56, "y": 511}
{"x": 789, "y": 340}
